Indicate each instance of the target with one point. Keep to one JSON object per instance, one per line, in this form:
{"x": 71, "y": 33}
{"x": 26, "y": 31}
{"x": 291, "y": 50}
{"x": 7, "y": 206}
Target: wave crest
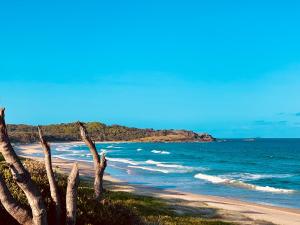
{"x": 150, "y": 169}
{"x": 160, "y": 152}
{"x": 126, "y": 161}
{"x": 237, "y": 183}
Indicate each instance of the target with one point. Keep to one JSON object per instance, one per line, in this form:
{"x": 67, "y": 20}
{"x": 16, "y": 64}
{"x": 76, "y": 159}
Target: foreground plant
{"x": 38, "y": 213}
{"x": 50, "y": 174}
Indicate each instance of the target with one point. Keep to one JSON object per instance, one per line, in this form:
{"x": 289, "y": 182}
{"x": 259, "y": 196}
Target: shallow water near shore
{"x": 262, "y": 170}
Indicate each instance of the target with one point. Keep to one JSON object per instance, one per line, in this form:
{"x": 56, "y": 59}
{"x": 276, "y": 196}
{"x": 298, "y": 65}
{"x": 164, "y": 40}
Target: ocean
{"x": 265, "y": 171}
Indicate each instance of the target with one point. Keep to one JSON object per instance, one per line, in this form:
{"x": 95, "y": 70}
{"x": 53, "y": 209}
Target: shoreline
{"x": 229, "y": 209}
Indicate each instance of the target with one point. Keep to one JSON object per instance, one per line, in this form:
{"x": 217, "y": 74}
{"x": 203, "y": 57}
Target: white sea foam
{"x": 139, "y": 149}
{"x": 163, "y": 164}
{"x": 126, "y": 161}
{"x": 153, "y": 162}
{"x": 174, "y": 168}
{"x": 251, "y": 176}
{"x": 212, "y": 179}
{"x": 112, "y": 146}
{"x": 67, "y": 148}
{"x": 67, "y": 157}
{"x": 72, "y": 151}
{"x": 237, "y": 183}
{"x": 160, "y": 152}
{"x": 150, "y": 169}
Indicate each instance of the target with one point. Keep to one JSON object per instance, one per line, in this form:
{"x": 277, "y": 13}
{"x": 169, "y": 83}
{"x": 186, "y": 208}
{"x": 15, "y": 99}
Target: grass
{"x": 157, "y": 211}
{"x": 116, "y": 208}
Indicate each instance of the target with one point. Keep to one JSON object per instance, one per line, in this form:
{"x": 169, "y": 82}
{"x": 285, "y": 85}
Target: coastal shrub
{"x": 89, "y": 210}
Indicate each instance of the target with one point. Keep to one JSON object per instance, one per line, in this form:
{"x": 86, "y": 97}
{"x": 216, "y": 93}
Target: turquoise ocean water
{"x": 264, "y": 170}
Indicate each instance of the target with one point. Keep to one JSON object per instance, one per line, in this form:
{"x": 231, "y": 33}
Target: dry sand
{"x": 227, "y": 209}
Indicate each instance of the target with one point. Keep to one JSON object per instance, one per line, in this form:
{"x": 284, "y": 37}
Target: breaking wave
{"x": 237, "y": 183}
{"x": 150, "y": 169}
{"x": 112, "y": 146}
{"x": 175, "y": 166}
{"x": 251, "y": 176}
{"x": 160, "y": 152}
{"x": 127, "y": 161}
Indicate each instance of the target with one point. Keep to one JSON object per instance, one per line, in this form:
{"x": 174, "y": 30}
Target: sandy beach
{"x": 227, "y": 209}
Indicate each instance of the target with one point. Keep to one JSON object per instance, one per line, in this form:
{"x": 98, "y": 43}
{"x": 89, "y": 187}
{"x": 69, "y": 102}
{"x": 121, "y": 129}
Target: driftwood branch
{"x": 99, "y": 165}
{"x": 51, "y": 178}
{"x": 18, "y": 212}
{"x": 71, "y": 195}
{"x": 39, "y": 214}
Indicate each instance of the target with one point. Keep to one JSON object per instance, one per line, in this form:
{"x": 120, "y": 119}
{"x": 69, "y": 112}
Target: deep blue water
{"x": 264, "y": 171}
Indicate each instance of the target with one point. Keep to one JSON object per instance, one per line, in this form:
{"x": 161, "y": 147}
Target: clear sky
{"x": 231, "y": 68}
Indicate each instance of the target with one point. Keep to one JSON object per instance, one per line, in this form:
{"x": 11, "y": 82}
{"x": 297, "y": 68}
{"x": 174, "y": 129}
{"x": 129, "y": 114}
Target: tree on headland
{"x": 99, "y": 164}
{"x": 38, "y": 213}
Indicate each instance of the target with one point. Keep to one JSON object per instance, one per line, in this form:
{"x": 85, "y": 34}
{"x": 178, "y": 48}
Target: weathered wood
{"x": 18, "y": 212}
{"x": 22, "y": 177}
{"x": 103, "y": 164}
{"x": 71, "y": 195}
{"x": 99, "y": 165}
{"x": 51, "y": 178}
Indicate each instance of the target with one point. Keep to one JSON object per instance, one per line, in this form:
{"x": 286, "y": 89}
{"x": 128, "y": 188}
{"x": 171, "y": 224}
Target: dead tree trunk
{"x": 99, "y": 165}
{"x": 103, "y": 164}
{"x": 51, "y": 178}
{"x": 71, "y": 196}
{"x": 22, "y": 177}
{"x": 18, "y": 212}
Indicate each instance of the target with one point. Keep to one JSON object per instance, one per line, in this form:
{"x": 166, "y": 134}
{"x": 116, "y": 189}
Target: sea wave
{"x": 69, "y": 150}
{"x": 180, "y": 168}
{"x": 139, "y": 149}
{"x": 67, "y": 157}
{"x": 251, "y": 176}
{"x": 112, "y": 146}
{"x": 160, "y": 152}
{"x": 150, "y": 169}
{"x": 66, "y": 148}
{"x": 238, "y": 183}
{"x": 126, "y": 161}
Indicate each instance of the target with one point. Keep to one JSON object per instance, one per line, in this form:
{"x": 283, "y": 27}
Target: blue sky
{"x": 231, "y": 68}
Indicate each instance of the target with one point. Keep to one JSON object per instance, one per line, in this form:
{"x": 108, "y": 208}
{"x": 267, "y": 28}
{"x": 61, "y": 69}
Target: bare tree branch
{"x": 102, "y": 167}
{"x": 99, "y": 165}
{"x": 88, "y": 141}
{"x": 39, "y": 214}
{"x": 71, "y": 196}
{"x": 51, "y": 178}
{"x": 18, "y": 212}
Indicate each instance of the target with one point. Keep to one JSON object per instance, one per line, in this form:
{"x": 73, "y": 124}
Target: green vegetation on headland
{"x": 116, "y": 208}
{"x": 102, "y": 132}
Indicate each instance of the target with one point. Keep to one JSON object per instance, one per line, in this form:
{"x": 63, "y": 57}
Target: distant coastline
{"x": 67, "y": 132}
